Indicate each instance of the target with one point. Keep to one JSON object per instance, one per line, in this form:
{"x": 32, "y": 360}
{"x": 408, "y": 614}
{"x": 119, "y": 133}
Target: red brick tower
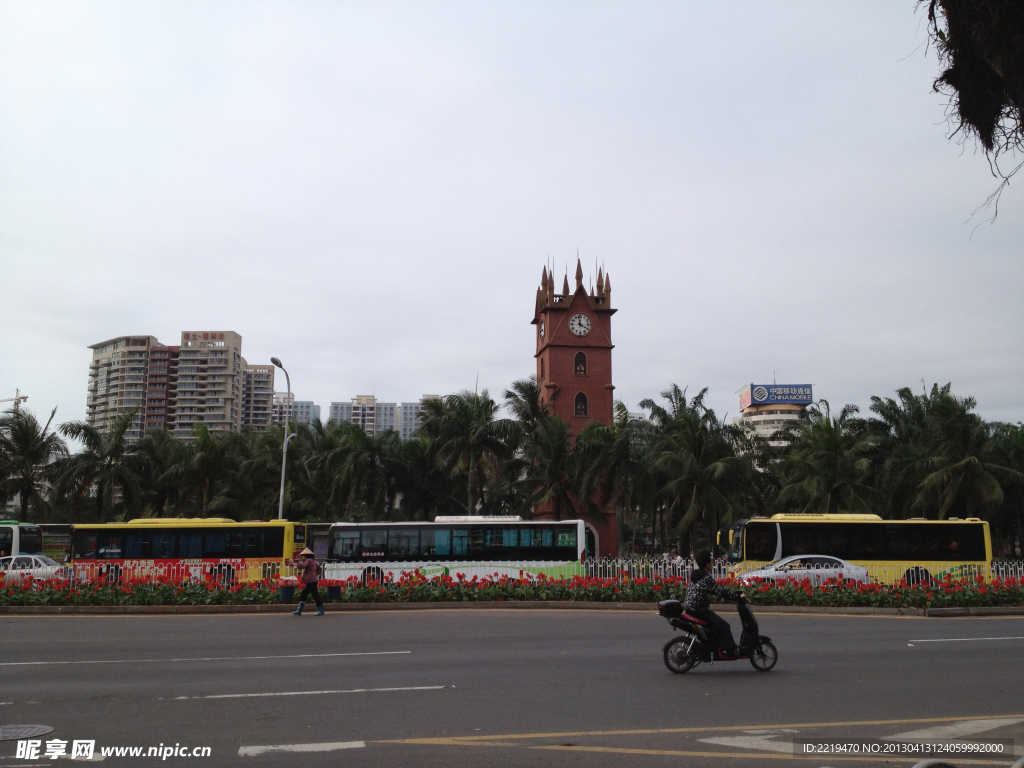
{"x": 574, "y": 362}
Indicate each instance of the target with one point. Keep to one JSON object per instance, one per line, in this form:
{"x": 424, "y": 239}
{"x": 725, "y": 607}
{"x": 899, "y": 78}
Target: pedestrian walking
{"x": 310, "y": 577}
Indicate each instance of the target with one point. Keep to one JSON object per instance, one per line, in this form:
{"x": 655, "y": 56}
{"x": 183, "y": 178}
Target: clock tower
{"x": 574, "y": 365}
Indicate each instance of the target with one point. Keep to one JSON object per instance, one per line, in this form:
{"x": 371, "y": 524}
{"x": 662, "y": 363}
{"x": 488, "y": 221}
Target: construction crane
{"x": 17, "y": 399}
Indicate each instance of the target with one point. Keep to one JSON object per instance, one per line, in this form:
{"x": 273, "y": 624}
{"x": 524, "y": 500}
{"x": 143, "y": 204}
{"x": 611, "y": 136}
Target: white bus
{"x": 471, "y": 546}
{"x": 20, "y": 539}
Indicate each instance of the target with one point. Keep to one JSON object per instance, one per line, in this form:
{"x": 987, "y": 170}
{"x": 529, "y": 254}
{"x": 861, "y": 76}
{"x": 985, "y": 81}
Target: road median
{"x": 528, "y": 605}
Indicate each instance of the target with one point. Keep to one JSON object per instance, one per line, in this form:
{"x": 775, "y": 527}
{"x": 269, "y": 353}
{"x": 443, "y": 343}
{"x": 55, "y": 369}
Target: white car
{"x": 16, "y": 569}
{"x": 817, "y": 568}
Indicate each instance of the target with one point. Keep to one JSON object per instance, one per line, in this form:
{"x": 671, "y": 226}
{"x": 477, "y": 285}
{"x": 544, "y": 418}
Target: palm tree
{"x": 469, "y": 438}
{"x": 828, "y": 464}
{"x": 523, "y": 401}
{"x": 105, "y": 465}
{"x": 30, "y": 452}
{"x": 550, "y": 469}
{"x": 426, "y": 489}
{"x": 205, "y": 465}
{"x": 695, "y": 465}
{"x": 960, "y": 477}
{"x": 159, "y": 496}
{"x": 615, "y": 465}
{"x": 369, "y": 472}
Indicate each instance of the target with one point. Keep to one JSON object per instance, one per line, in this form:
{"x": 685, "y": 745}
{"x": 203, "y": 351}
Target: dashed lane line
{"x": 200, "y": 658}
{"x": 330, "y": 746}
{"x": 304, "y": 693}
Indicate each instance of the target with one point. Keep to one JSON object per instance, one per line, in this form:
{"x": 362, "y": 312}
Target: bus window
{"x": 525, "y": 537}
{"x": 460, "y": 541}
{"x": 30, "y": 539}
{"x": 403, "y": 543}
{"x": 374, "y": 542}
{"x": 736, "y": 545}
{"x": 475, "y": 542}
{"x": 190, "y": 544}
{"x": 272, "y": 542}
{"x": 761, "y": 541}
{"x": 345, "y": 544}
{"x": 215, "y": 544}
{"x": 510, "y": 537}
{"x": 435, "y": 542}
{"x": 300, "y": 535}
{"x": 6, "y": 541}
{"x": 546, "y": 537}
{"x": 567, "y": 538}
{"x": 84, "y": 545}
{"x": 591, "y": 544}
{"x": 110, "y": 547}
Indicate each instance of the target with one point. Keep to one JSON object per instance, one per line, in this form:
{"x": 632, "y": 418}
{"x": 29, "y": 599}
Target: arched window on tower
{"x": 542, "y": 370}
{"x": 580, "y": 364}
{"x": 581, "y": 404}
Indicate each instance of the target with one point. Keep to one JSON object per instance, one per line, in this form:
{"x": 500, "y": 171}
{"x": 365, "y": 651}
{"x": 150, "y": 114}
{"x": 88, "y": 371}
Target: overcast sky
{"x": 370, "y": 190}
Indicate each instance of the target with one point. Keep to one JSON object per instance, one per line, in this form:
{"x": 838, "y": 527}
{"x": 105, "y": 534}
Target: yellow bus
{"x": 915, "y": 550}
{"x": 186, "y": 549}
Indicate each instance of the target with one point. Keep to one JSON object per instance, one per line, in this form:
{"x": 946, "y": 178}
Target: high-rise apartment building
{"x": 118, "y": 378}
{"x": 299, "y": 412}
{"x": 410, "y": 417}
{"x": 305, "y": 411}
{"x": 364, "y": 410}
{"x": 162, "y": 387}
{"x": 257, "y": 396}
{"x": 209, "y": 382}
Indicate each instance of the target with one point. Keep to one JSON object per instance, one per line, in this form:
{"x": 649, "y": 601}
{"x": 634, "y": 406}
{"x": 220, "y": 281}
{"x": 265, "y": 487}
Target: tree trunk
{"x": 24, "y": 508}
{"x": 620, "y": 530}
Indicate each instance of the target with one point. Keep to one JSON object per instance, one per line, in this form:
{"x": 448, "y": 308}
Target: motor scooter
{"x": 699, "y": 644}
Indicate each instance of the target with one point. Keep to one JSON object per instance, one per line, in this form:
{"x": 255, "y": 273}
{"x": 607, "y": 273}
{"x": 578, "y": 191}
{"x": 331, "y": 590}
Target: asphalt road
{"x": 500, "y": 688}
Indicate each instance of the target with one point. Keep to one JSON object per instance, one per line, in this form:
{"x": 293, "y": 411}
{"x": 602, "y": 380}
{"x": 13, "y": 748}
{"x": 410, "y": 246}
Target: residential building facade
{"x": 118, "y": 381}
{"x": 410, "y": 417}
{"x": 209, "y": 382}
{"x": 373, "y": 416}
{"x": 257, "y": 396}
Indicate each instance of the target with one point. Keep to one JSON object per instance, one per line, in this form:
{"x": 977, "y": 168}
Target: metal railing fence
{"x": 605, "y": 568}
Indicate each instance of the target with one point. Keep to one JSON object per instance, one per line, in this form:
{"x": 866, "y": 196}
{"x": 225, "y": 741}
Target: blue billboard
{"x": 768, "y": 394}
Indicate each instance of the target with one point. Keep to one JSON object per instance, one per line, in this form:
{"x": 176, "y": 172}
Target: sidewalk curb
{"x": 528, "y": 605}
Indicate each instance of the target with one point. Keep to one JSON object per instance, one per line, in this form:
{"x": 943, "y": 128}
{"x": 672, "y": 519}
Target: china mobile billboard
{"x": 767, "y": 394}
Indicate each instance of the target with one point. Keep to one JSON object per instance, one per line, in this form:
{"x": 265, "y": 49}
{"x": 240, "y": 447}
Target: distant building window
{"x": 580, "y": 364}
{"x": 581, "y": 404}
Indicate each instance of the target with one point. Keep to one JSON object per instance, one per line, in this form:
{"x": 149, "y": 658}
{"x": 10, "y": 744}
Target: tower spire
{"x": 579, "y": 274}
{"x": 565, "y": 284}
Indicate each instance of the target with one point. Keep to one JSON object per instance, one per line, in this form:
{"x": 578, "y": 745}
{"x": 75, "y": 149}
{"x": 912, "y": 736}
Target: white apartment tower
{"x": 257, "y": 396}
{"x": 210, "y": 382}
{"x": 118, "y": 379}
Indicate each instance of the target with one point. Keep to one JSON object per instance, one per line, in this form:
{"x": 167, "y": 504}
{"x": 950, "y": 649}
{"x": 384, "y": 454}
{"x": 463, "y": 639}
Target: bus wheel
{"x": 917, "y": 575}
{"x": 373, "y": 573}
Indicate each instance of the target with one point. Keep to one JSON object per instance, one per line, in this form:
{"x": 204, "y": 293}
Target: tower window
{"x": 580, "y": 364}
{"x": 542, "y": 369}
{"x": 581, "y": 404}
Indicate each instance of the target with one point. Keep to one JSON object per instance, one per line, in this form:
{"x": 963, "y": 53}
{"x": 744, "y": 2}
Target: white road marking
{"x": 964, "y": 639}
{"x": 203, "y": 658}
{"x": 957, "y": 730}
{"x": 763, "y": 743}
{"x": 307, "y": 693}
{"x": 330, "y": 746}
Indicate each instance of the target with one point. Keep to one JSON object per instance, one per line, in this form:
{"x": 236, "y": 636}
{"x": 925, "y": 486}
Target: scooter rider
{"x": 697, "y": 604}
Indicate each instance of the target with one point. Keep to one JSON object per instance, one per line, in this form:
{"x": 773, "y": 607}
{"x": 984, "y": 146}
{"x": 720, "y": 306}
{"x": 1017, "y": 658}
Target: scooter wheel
{"x": 676, "y": 657}
{"x": 764, "y": 656}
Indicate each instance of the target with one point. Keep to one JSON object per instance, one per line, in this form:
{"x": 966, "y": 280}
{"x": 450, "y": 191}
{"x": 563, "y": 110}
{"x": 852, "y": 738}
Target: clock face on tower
{"x": 579, "y": 324}
{"x": 542, "y": 330}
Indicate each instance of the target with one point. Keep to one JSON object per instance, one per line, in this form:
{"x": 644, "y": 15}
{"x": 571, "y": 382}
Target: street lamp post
{"x": 287, "y": 436}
